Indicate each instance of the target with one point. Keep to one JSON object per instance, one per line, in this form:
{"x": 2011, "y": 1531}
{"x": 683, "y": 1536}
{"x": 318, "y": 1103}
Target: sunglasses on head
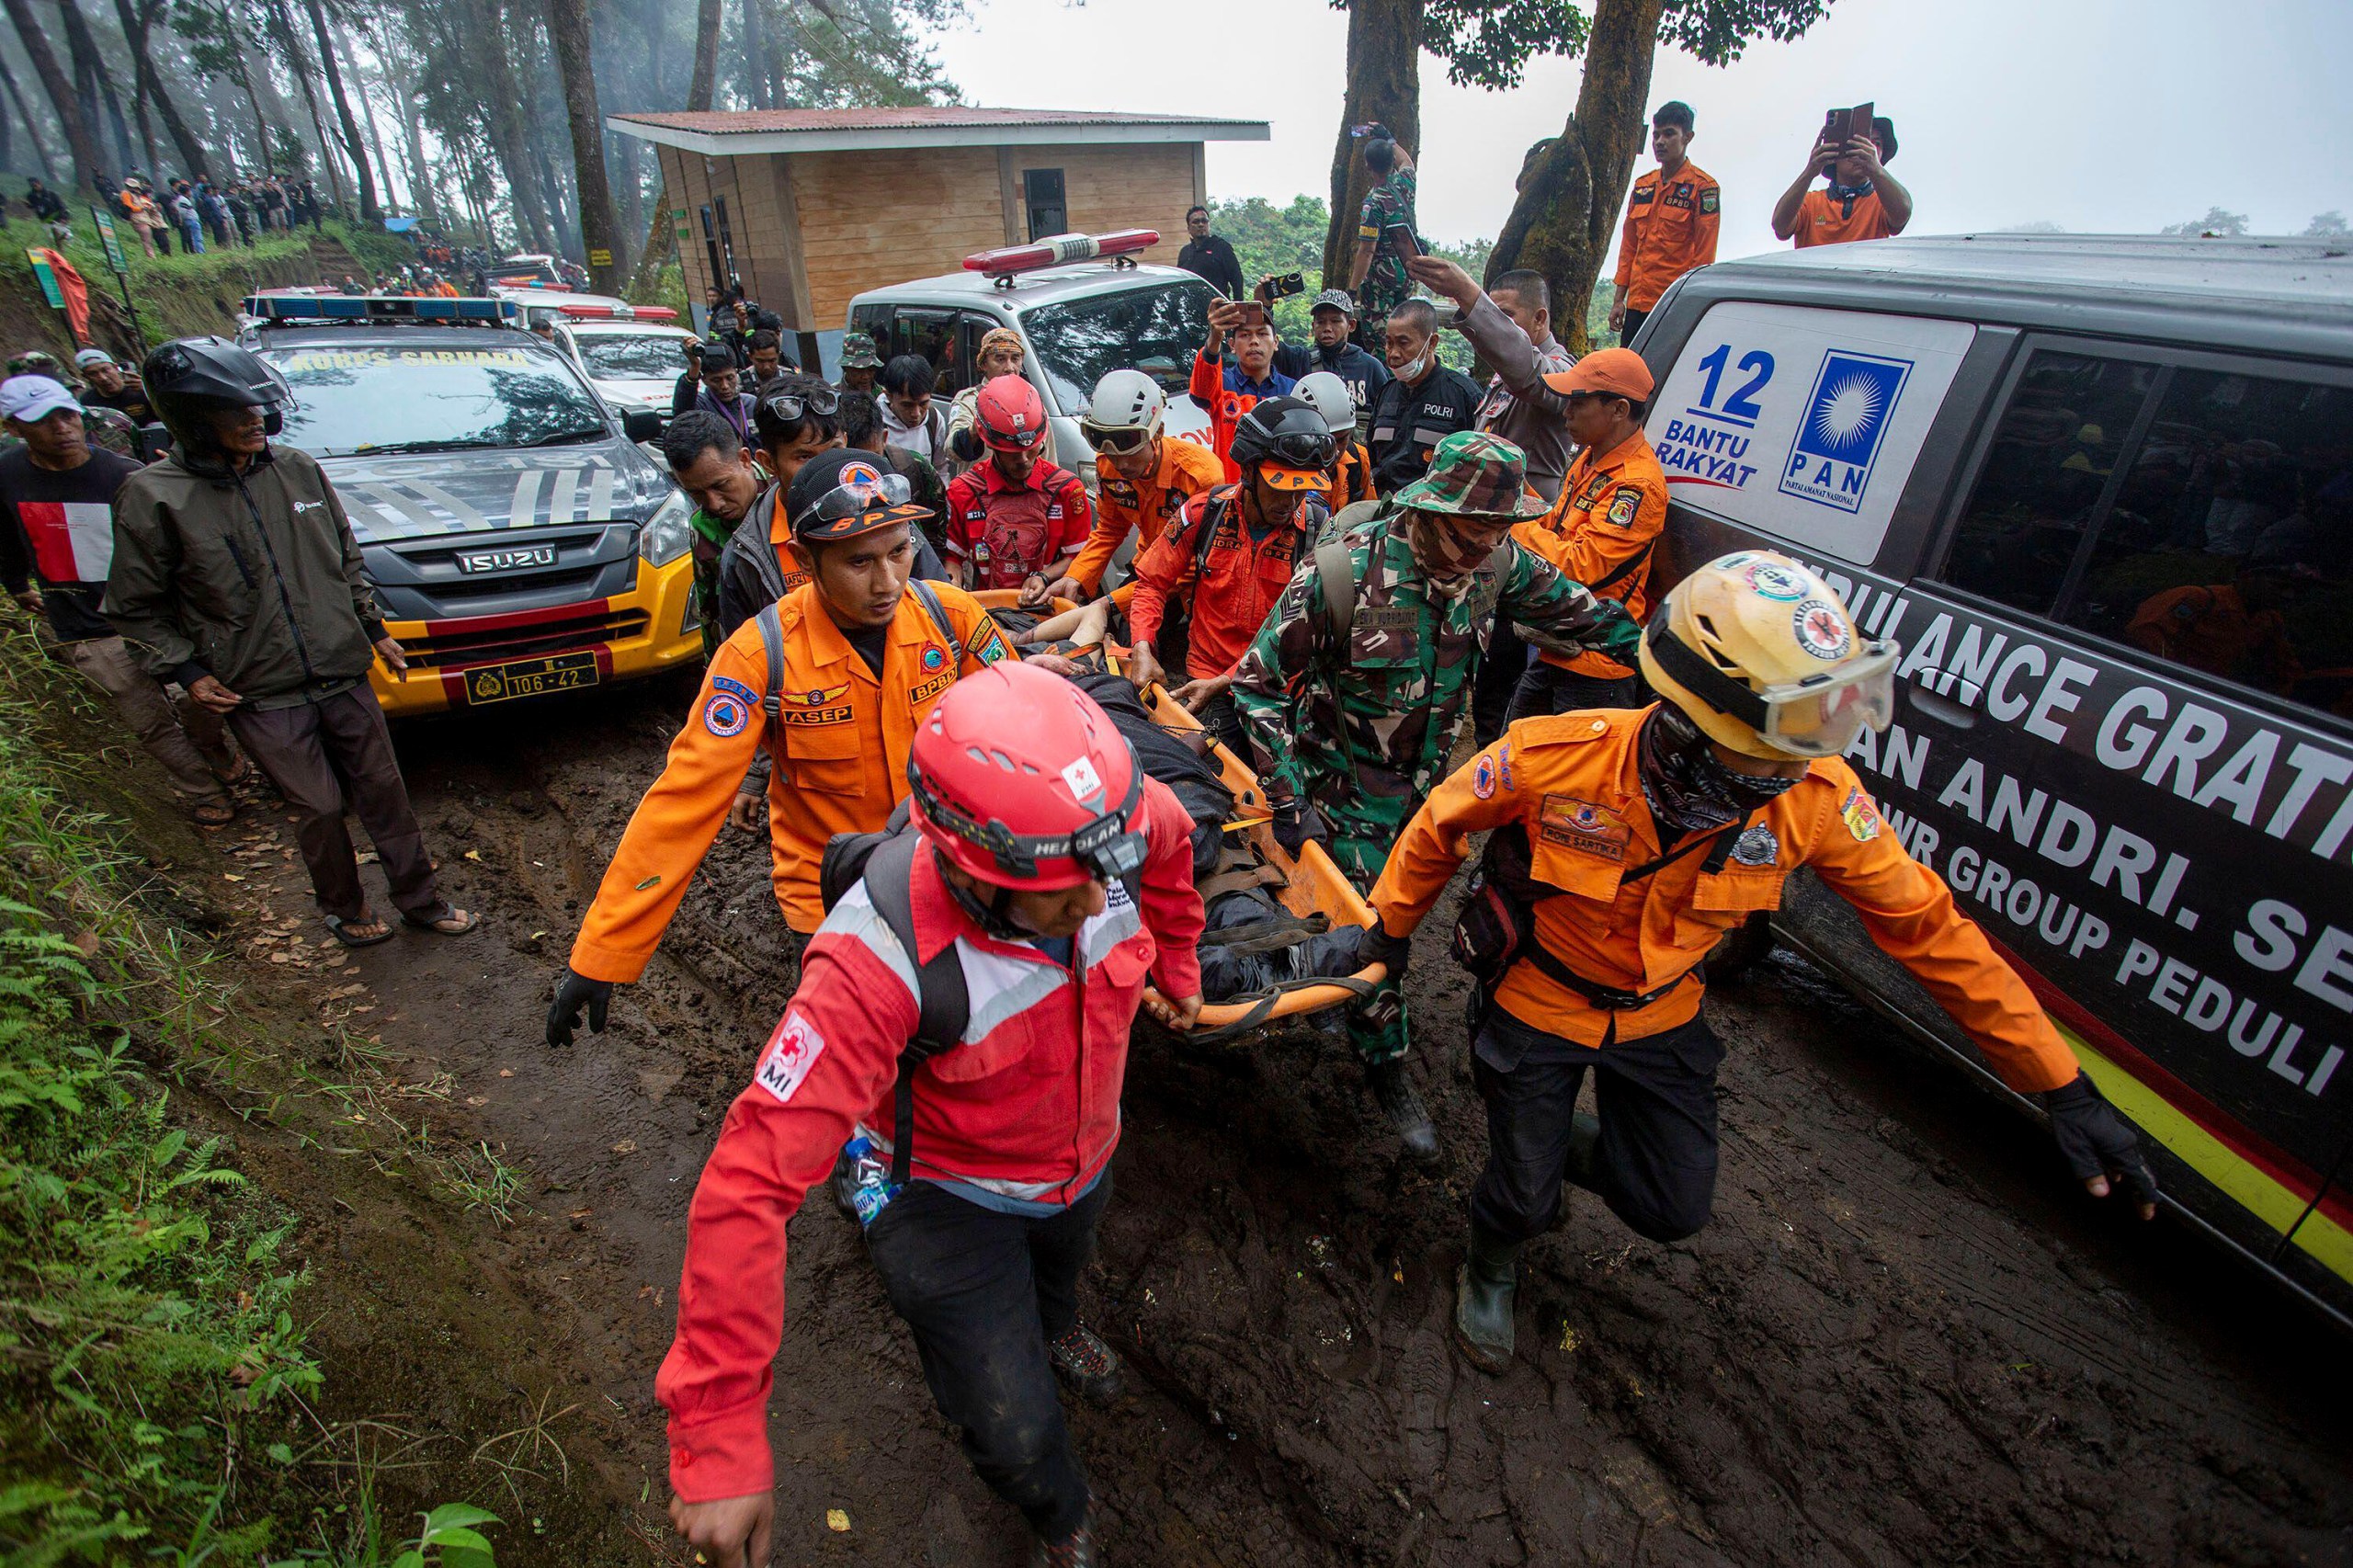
{"x": 789, "y": 406}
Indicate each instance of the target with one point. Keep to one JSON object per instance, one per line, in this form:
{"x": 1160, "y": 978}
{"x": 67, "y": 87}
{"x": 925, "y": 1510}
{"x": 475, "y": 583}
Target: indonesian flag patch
{"x": 73, "y": 540}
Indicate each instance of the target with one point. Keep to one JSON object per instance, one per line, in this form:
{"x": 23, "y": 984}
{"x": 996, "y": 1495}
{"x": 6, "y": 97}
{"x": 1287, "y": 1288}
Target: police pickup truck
{"x": 520, "y": 541}
{"x": 2101, "y": 490}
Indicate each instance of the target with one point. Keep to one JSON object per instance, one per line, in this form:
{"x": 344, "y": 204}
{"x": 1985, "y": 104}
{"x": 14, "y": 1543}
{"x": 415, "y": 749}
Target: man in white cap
{"x": 57, "y": 531}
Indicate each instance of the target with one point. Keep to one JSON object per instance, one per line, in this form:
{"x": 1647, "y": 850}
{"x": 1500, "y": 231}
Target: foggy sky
{"x": 2102, "y": 116}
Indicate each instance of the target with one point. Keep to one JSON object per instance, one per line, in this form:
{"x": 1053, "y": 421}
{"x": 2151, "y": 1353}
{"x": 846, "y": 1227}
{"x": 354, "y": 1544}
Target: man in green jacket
{"x": 235, "y": 573}
{"x": 1353, "y": 691}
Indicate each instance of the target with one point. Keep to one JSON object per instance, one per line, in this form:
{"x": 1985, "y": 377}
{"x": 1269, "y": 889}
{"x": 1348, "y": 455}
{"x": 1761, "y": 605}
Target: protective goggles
{"x": 1818, "y": 716}
{"x": 867, "y": 498}
{"x": 1019, "y": 440}
{"x": 1115, "y": 441}
{"x": 1105, "y": 848}
{"x": 1301, "y": 449}
{"x": 789, "y": 407}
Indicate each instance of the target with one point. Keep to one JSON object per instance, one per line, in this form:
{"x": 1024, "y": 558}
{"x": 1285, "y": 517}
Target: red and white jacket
{"x": 1029, "y": 1105}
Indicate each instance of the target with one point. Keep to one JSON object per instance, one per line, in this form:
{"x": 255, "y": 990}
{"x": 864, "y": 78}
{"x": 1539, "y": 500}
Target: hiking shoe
{"x": 1076, "y": 1550}
{"x": 1090, "y": 1367}
{"x": 1403, "y": 1109}
{"x": 1485, "y": 1290}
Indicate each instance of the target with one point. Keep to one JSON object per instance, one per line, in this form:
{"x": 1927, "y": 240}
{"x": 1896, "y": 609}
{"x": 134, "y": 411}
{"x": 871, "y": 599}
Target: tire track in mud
{"x": 1898, "y": 1341}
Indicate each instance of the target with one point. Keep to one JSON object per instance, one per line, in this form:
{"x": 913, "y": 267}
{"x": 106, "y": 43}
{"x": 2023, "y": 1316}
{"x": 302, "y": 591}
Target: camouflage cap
{"x": 1474, "y": 473}
{"x": 857, "y": 352}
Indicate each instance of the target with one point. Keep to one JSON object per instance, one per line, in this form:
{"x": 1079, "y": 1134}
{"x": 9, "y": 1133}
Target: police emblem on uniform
{"x": 934, "y": 656}
{"x": 1623, "y": 506}
{"x": 725, "y": 714}
{"x": 1822, "y": 631}
{"x": 1755, "y": 846}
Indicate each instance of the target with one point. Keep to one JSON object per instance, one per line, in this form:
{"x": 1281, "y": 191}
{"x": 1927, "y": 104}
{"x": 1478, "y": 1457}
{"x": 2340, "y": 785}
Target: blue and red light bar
{"x": 378, "y": 307}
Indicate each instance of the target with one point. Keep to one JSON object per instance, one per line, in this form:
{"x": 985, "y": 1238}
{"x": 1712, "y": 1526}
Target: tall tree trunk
{"x": 15, "y": 100}
{"x": 1572, "y": 186}
{"x": 423, "y": 188}
{"x": 1384, "y": 85}
{"x": 298, "y": 64}
{"x": 575, "y": 62}
{"x": 368, "y": 116}
{"x": 503, "y": 126}
{"x": 353, "y": 143}
{"x": 97, "y": 82}
{"x": 661, "y": 236}
{"x": 235, "y": 43}
{"x": 138, "y": 17}
{"x": 79, "y": 142}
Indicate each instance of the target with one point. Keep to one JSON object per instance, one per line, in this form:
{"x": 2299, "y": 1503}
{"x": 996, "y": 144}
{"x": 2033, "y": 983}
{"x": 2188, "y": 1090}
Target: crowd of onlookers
{"x": 191, "y": 215}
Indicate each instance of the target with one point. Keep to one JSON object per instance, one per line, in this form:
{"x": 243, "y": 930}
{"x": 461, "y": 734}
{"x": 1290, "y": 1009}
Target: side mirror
{"x": 642, "y": 424}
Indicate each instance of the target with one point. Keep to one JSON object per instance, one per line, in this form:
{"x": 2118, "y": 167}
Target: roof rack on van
{"x": 380, "y": 308}
{"x": 1119, "y": 247}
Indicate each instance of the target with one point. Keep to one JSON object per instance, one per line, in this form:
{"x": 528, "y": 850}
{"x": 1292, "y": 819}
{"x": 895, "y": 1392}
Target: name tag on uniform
{"x": 1389, "y": 631}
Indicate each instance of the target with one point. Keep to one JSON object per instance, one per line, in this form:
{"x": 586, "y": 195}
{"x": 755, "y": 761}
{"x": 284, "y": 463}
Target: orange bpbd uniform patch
{"x": 1862, "y": 818}
{"x": 1583, "y": 825}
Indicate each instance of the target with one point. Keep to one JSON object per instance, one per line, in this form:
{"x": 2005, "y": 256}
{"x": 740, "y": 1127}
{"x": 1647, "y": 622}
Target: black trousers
{"x": 1656, "y": 1166}
{"x": 320, "y": 755}
{"x": 1499, "y": 674}
{"x": 1634, "y": 323}
{"x": 984, "y": 1293}
{"x": 1548, "y": 689}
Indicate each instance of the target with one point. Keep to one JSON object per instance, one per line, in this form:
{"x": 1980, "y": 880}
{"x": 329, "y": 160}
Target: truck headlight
{"x": 668, "y": 534}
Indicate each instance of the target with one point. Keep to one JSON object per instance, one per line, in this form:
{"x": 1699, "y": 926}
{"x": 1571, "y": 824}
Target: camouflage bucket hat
{"x": 1474, "y": 474}
{"x": 858, "y": 353}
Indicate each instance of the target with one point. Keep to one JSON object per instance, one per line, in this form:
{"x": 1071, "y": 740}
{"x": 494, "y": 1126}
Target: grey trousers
{"x": 190, "y": 741}
{"x": 319, "y": 753}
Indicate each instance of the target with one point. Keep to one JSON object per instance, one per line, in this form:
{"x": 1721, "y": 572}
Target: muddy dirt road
{"x": 1904, "y": 1339}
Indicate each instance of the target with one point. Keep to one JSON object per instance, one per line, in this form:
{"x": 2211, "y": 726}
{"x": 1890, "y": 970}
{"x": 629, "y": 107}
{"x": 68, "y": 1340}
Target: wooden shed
{"x": 807, "y": 207}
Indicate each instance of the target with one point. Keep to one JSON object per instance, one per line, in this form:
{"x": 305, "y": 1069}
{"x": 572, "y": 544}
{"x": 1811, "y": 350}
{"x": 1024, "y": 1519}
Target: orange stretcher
{"x": 1313, "y": 883}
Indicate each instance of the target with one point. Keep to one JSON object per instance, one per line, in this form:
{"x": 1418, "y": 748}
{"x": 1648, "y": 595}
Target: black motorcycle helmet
{"x": 189, "y": 376}
{"x": 1283, "y": 433}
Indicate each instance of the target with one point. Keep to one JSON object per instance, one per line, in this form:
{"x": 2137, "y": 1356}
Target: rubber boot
{"x": 1483, "y": 1291}
{"x": 1403, "y": 1109}
{"x": 1077, "y": 1549}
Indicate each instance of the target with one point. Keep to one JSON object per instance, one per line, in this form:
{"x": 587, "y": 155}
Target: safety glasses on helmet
{"x": 1105, "y": 848}
{"x": 859, "y": 496}
{"x": 1818, "y": 716}
{"x": 1299, "y": 449}
{"x": 1115, "y": 441}
{"x": 789, "y": 406}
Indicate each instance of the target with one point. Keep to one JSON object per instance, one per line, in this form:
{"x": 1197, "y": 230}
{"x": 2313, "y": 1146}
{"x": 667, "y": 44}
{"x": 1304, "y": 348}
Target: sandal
{"x": 343, "y": 930}
{"x": 213, "y": 811}
{"x": 444, "y": 920}
{"x": 241, "y": 773}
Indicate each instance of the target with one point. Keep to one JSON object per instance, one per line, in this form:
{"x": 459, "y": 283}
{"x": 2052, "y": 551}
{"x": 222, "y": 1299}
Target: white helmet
{"x": 1329, "y": 395}
{"x": 1125, "y": 403}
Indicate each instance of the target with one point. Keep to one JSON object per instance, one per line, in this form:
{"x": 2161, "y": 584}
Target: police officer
{"x": 1063, "y": 877}
{"x": 862, "y": 656}
{"x": 1354, "y": 690}
{"x": 1624, "y": 845}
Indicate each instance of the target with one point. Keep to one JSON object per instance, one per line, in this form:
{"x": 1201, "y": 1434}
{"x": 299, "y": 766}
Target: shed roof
{"x": 721, "y": 133}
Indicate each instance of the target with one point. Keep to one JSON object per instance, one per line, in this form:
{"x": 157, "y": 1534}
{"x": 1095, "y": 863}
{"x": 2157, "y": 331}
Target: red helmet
{"x": 1019, "y": 780}
{"x": 1010, "y": 415}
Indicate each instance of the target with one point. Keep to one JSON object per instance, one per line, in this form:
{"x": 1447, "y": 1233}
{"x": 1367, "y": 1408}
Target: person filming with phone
{"x": 1863, "y": 201}
{"x": 1384, "y": 235}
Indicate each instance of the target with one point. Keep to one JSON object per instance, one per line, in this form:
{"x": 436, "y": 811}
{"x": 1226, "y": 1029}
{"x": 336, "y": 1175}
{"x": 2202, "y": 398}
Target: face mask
{"x": 1688, "y": 786}
{"x": 1416, "y": 370}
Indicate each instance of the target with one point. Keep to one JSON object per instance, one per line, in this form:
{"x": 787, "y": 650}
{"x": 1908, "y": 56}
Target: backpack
{"x": 771, "y": 624}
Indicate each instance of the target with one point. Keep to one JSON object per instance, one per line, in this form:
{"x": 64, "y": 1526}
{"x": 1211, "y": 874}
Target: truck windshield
{"x": 1156, "y": 329}
{"x": 622, "y": 357}
{"x": 380, "y": 398}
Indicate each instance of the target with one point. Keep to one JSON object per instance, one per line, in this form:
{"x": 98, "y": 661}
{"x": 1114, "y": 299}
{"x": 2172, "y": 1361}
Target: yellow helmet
{"x": 1756, "y": 651}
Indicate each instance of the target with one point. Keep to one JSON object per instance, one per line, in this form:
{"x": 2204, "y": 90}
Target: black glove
{"x": 2094, "y": 1140}
{"x": 1295, "y": 824}
{"x": 564, "y": 1016}
{"x": 1378, "y": 947}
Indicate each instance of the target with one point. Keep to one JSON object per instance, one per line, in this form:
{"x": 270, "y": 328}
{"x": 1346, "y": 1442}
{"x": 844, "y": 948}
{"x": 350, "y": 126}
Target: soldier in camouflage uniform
{"x": 1352, "y": 734}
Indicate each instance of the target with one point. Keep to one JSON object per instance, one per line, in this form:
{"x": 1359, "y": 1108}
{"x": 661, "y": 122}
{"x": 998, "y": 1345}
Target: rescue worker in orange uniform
{"x": 1141, "y": 477}
{"x": 1624, "y": 845}
{"x": 1671, "y": 220}
{"x": 1603, "y": 529}
{"x": 863, "y": 651}
{"x": 1863, "y": 201}
{"x": 1232, "y": 552}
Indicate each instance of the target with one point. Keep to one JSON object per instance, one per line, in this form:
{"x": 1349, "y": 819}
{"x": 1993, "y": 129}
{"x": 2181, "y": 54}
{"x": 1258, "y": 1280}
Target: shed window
{"x": 1041, "y": 191}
